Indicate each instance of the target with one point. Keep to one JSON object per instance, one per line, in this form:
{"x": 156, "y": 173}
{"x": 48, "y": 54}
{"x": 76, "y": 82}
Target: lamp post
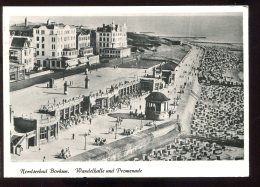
{"x": 116, "y": 130}
{"x": 85, "y": 146}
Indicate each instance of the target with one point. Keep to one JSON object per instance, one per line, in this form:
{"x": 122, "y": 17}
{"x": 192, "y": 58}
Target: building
{"x": 45, "y": 125}
{"x": 93, "y": 41}
{"x": 82, "y": 38}
{"x": 54, "y": 41}
{"x": 156, "y": 106}
{"x": 22, "y": 51}
{"x": 111, "y": 41}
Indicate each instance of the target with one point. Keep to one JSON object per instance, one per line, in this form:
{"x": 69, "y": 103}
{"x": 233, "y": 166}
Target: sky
{"x": 220, "y": 27}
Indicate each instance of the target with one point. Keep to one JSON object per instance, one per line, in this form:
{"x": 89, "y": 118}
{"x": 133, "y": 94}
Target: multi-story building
{"x": 111, "y": 41}
{"x": 22, "y": 52}
{"x": 83, "y": 38}
{"x": 93, "y": 40}
{"x": 83, "y": 42}
{"x": 54, "y": 41}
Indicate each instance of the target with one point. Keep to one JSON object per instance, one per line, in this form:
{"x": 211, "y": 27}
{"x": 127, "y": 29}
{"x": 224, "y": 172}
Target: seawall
{"x": 130, "y": 145}
{"x": 186, "y": 107}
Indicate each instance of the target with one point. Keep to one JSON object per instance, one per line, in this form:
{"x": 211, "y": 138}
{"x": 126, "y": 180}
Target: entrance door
{"x": 30, "y": 142}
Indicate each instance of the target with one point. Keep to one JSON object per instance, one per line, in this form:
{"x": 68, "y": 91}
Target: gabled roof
{"x": 83, "y": 31}
{"x": 157, "y": 96}
{"x": 18, "y": 42}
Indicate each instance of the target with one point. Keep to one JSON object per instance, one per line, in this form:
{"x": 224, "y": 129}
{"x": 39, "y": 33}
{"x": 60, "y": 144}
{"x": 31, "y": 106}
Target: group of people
{"x": 73, "y": 120}
{"x": 217, "y": 62}
{"x": 65, "y": 153}
{"x": 219, "y": 113}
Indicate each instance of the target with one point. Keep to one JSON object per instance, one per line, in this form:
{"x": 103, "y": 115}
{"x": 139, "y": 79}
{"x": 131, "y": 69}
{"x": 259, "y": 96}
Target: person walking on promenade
{"x": 43, "y": 159}
{"x": 73, "y": 136}
{"x": 90, "y": 120}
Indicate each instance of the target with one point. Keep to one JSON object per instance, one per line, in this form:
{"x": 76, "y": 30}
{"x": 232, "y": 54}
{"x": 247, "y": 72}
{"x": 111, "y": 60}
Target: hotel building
{"x": 111, "y": 41}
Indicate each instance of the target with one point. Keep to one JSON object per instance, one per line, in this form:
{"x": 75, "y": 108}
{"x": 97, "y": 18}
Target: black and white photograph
{"x": 125, "y": 91}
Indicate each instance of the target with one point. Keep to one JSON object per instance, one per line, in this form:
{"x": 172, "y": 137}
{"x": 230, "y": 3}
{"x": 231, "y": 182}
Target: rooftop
{"x": 22, "y": 27}
{"x": 157, "y": 96}
{"x": 18, "y": 42}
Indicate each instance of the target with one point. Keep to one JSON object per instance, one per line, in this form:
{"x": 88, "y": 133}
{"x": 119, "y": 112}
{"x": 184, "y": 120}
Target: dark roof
{"x": 169, "y": 66}
{"x": 157, "y": 96}
{"x": 83, "y": 31}
{"x": 18, "y": 42}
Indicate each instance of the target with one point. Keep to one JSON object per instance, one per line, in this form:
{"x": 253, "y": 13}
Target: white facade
{"x": 111, "y": 36}
{"x": 50, "y": 40}
{"x": 22, "y": 51}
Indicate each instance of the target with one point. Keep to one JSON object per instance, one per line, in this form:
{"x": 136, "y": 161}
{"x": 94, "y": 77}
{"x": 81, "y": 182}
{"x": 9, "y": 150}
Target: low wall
{"x": 131, "y": 145}
{"x": 186, "y": 108}
{"x": 38, "y": 74}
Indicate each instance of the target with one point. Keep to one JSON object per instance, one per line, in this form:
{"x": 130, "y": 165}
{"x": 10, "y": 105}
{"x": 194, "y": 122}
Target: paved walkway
{"x": 100, "y": 125}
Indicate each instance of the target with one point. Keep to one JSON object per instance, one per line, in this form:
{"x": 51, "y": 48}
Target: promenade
{"x": 100, "y": 125}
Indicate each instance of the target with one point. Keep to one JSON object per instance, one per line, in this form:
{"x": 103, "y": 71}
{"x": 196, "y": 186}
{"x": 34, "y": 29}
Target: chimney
{"x": 25, "y": 21}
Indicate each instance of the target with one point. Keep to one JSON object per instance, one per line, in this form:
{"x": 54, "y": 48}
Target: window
{"x": 51, "y": 32}
{"x": 37, "y": 38}
{"x": 42, "y": 31}
{"x": 53, "y": 63}
{"x": 100, "y": 39}
{"x": 43, "y": 133}
{"x": 37, "y": 52}
{"x": 100, "y": 44}
{"x": 37, "y": 31}
{"x": 43, "y": 46}
{"x": 38, "y": 61}
{"x": 107, "y": 44}
{"x": 53, "y": 53}
{"x": 52, "y": 132}
{"x": 38, "y": 45}
{"x": 44, "y": 63}
{"x": 108, "y": 39}
{"x": 42, "y": 53}
{"x": 58, "y": 63}
{"x": 107, "y": 34}
{"x": 42, "y": 39}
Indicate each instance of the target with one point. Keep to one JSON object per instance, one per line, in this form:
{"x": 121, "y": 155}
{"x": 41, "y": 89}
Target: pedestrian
{"x": 43, "y": 159}
{"x": 90, "y": 121}
{"x": 73, "y": 136}
{"x": 140, "y": 107}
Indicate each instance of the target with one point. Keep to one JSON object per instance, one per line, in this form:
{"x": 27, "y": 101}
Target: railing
{"x": 49, "y": 119}
{"x": 54, "y": 107}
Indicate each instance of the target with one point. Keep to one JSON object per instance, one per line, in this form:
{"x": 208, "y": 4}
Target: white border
{"x": 149, "y": 169}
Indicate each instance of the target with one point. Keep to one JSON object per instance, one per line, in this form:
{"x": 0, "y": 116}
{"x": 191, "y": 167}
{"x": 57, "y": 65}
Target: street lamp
{"x": 116, "y": 130}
